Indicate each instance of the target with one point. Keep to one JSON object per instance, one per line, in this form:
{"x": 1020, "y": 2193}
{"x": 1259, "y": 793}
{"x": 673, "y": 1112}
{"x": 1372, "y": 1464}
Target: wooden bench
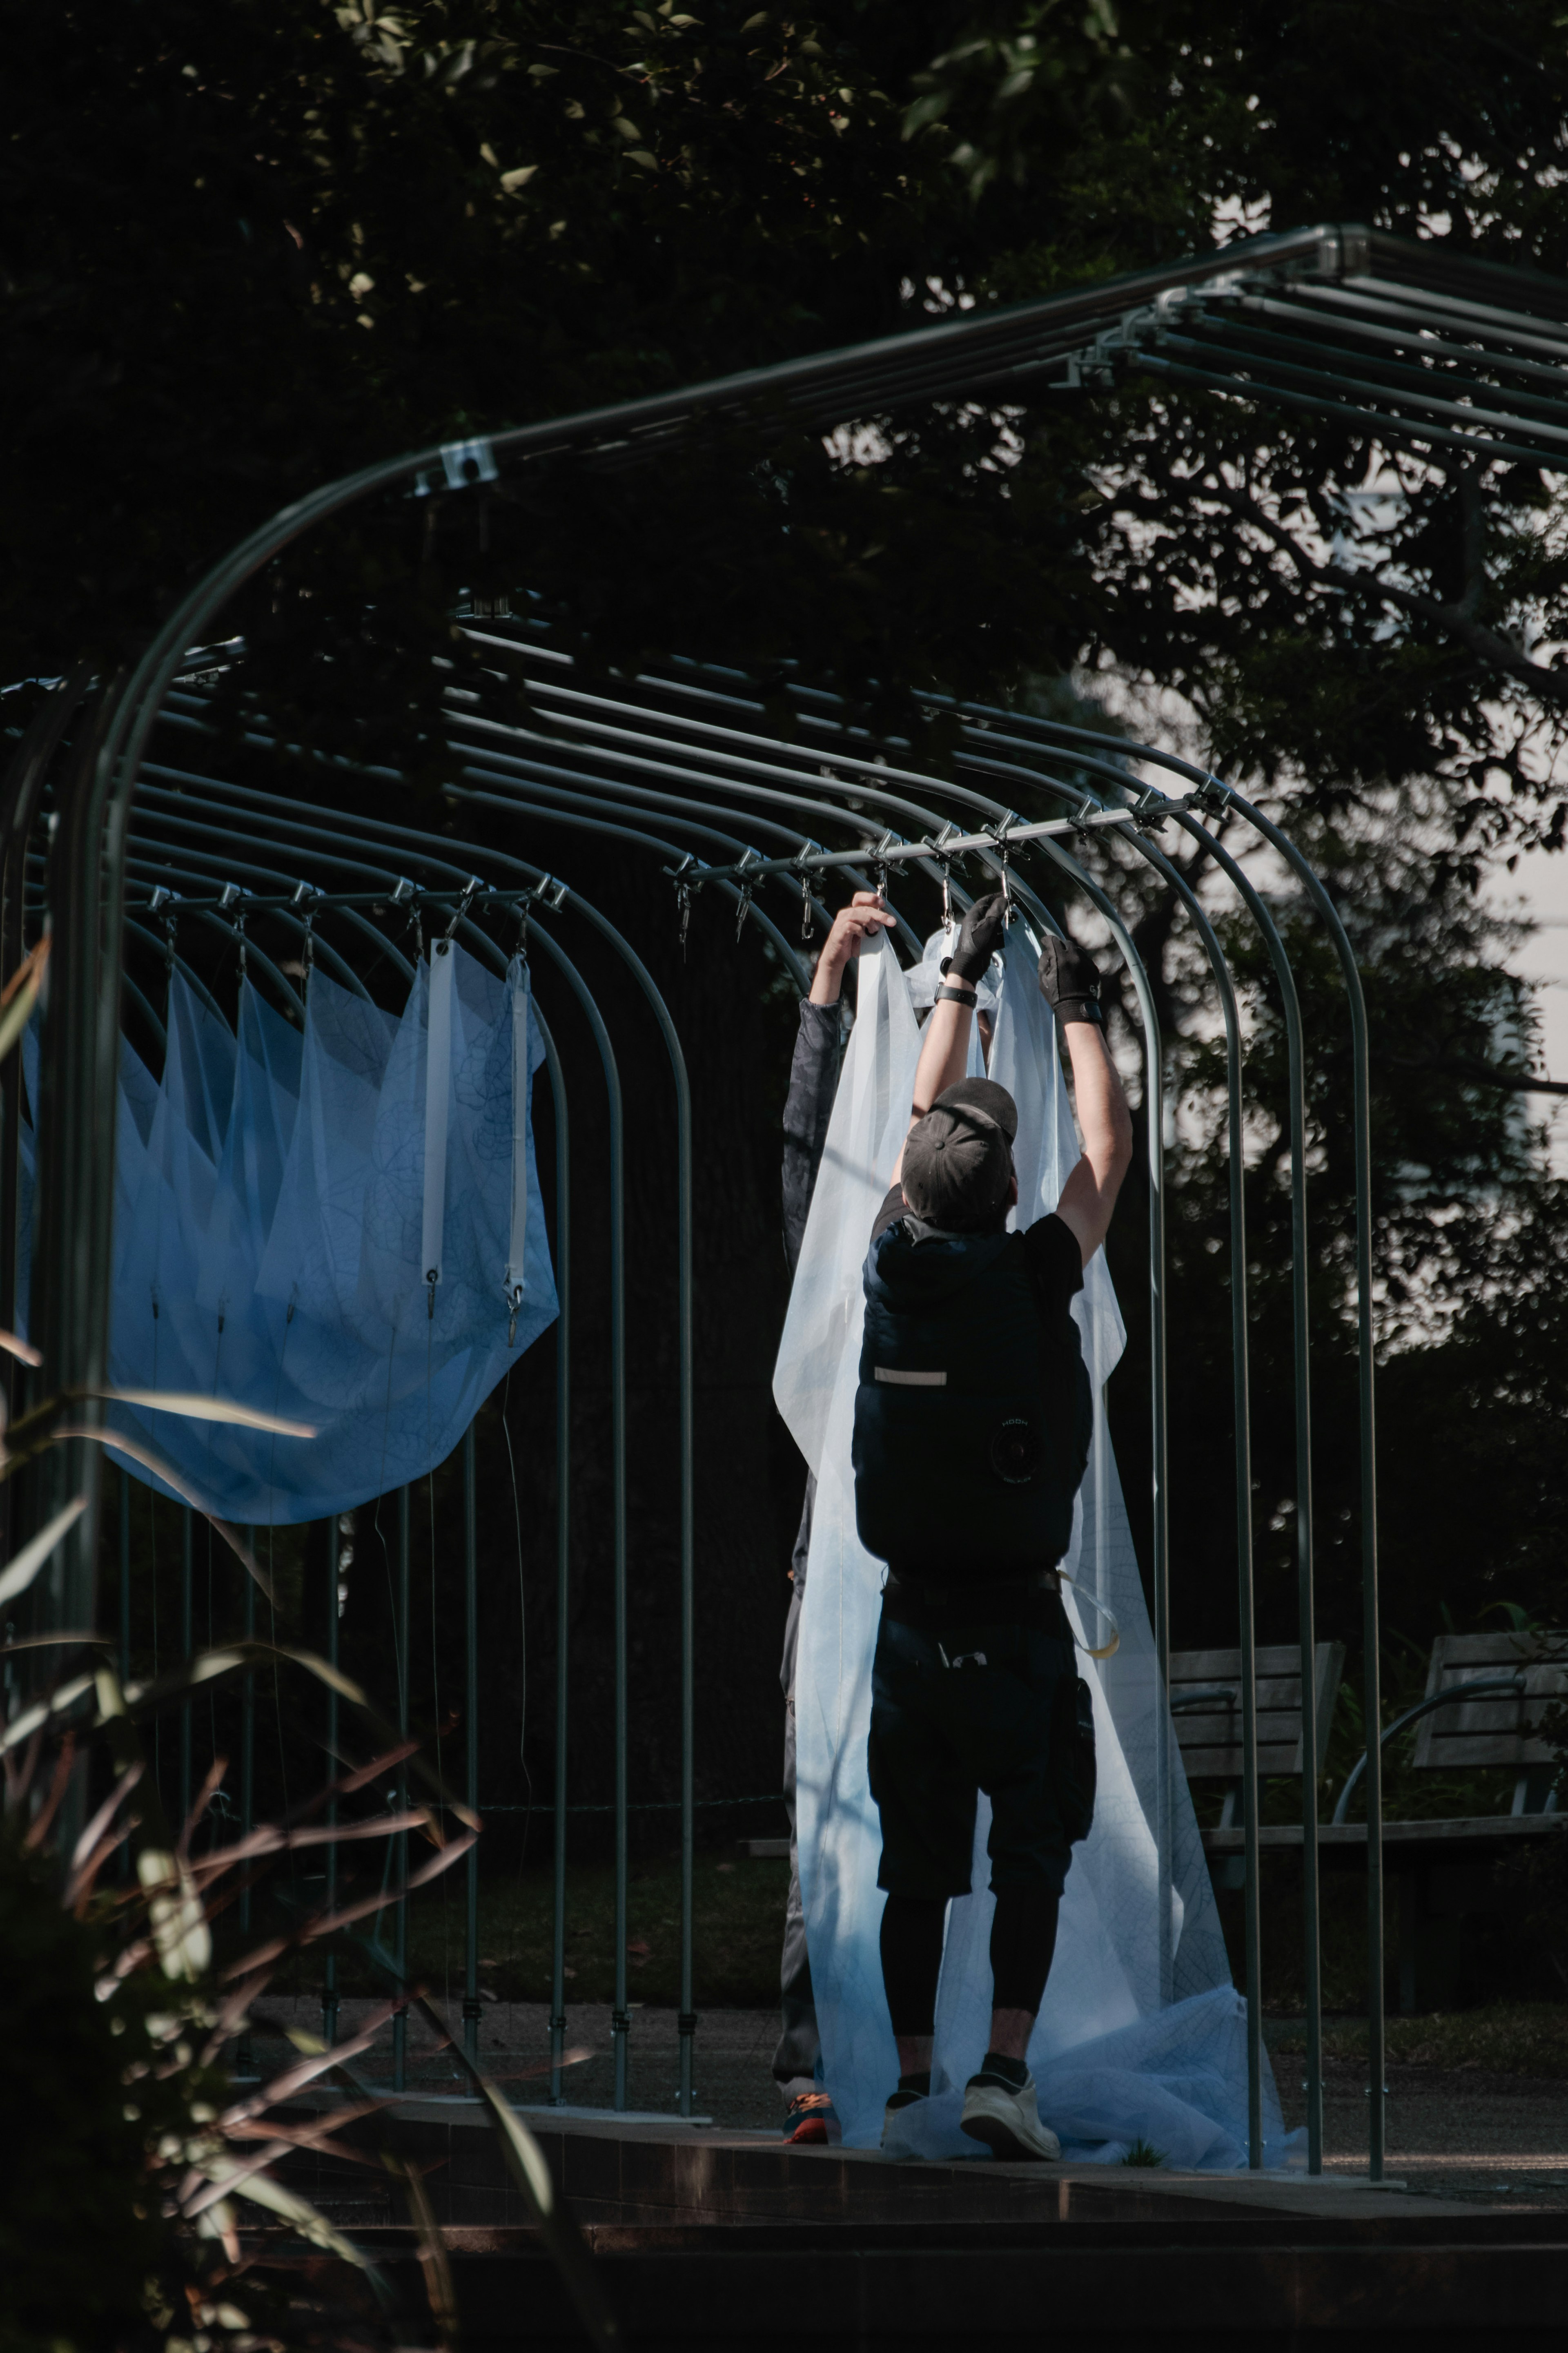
{"x": 1441, "y": 1872}
{"x": 1206, "y": 1704}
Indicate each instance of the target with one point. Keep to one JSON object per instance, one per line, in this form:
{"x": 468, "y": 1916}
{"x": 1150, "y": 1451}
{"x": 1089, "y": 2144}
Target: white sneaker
{"x": 1007, "y": 2121}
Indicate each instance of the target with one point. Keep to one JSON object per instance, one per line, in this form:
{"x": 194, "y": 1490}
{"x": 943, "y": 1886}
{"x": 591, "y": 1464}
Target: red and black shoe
{"x": 810, "y": 2119}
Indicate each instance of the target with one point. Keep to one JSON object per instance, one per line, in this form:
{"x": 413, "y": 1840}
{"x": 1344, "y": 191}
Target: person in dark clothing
{"x": 808, "y": 1106}
{"x": 973, "y": 1421}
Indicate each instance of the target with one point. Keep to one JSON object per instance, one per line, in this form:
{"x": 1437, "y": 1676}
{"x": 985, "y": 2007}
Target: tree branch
{"x": 1457, "y": 621}
{"x": 1485, "y": 1074}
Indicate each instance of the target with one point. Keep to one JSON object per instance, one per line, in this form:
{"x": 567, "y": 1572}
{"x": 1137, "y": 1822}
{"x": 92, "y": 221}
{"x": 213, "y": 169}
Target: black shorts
{"x": 941, "y": 1734}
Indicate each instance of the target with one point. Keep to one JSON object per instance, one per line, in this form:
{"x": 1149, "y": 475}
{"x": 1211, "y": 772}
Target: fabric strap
{"x": 437, "y": 1104}
{"x": 520, "y": 983}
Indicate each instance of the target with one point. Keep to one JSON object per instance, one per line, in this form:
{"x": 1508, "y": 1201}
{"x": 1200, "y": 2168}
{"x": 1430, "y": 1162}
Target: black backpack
{"x": 974, "y": 1414}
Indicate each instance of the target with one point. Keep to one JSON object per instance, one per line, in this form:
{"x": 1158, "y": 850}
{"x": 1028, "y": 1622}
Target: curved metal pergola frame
{"x": 1340, "y": 320}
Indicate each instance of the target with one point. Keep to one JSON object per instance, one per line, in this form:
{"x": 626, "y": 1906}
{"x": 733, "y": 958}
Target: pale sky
{"x": 1538, "y": 887}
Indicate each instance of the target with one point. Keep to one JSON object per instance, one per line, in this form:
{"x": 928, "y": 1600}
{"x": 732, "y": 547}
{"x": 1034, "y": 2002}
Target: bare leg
{"x": 1010, "y": 2032}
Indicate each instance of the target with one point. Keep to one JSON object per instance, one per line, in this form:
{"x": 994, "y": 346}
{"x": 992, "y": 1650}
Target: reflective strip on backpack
{"x": 911, "y": 1381}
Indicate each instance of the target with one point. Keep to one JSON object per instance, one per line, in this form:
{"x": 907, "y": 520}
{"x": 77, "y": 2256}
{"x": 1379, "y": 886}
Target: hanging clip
{"x": 687, "y": 877}
{"x": 164, "y": 901}
{"x": 232, "y": 903}
{"x": 999, "y": 833}
{"x": 879, "y": 862}
{"x": 472, "y": 890}
{"x": 808, "y": 919}
{"x": 521, "y": 910}
{"x": 305, "y": 894}
{"x": 748, "y": 859}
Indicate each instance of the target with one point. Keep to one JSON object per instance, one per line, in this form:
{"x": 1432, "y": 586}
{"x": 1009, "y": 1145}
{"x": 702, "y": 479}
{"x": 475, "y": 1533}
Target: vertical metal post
{"x": 330, "y": 1986}
{"x": 245, "y": 2063}
{"x": 248, "y": 1730}
{"x": 1300, "y": 1296}
{"x": 1372, "y": 1687}
{"x": 620, "y": 2017}
{"x": 471, "y": 1712}
{"x": 1241, "y": 1398}
{"x": 562, "y": 1545}
{"x": 188, "y": 1646}
{"x": 124, "y": 1579}
{"x": 400, "y": 1926}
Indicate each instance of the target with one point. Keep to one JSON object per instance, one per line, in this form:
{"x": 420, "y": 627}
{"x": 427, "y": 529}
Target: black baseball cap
{"x": 958, "y": 1160}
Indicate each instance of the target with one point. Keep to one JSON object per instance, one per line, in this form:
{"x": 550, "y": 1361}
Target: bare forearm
{"x": 944, "y": 1058}
{"x": 1105, "y": 1123}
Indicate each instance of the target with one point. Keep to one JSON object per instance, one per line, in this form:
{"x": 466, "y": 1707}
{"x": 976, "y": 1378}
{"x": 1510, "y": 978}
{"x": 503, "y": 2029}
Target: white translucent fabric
{"x": 273, "y": 1200}
{"x": 1140, "y": 2036}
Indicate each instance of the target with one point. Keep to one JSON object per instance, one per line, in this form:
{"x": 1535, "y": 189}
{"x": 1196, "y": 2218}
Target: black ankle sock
{"x": 920, "y": 2082}
{"x": 1011, "y": 2070}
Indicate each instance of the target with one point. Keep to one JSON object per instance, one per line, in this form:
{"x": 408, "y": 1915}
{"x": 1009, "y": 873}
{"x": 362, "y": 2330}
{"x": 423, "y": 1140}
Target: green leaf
{"x": 20, "y": 1572}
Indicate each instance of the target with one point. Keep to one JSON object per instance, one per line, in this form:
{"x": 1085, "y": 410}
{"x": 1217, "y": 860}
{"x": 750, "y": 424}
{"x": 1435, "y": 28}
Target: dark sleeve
{"x": 813, "y": 1081}
{"x": 894, "y": 1206}
{"x": 1056, "y": 1262}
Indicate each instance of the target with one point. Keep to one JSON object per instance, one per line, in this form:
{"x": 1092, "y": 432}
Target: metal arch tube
{"x": 1312, "y": 1931}
{"x": 1241, "y": 1393}
{"x": 1367, "y": 1375}
{"x": 621, "y": 2018}
{"x": 1305, "y": 1553}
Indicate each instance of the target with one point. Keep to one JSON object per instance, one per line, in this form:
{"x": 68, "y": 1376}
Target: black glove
{"x": 1069, "y": 981}
{"x": 979, "y": 937}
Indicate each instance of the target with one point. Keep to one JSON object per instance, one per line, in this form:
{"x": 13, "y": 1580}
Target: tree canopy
{"x": 247, "y": 249}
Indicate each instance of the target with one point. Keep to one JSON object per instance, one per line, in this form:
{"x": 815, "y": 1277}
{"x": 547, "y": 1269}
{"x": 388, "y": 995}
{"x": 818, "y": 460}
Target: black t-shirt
{"x": 1056, "y": 1261}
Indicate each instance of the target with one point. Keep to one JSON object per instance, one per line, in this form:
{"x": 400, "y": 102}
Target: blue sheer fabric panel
{"x": 268, "y": 1204}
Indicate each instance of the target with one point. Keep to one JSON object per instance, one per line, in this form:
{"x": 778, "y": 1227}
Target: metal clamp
{"x": 1152, "y": 808}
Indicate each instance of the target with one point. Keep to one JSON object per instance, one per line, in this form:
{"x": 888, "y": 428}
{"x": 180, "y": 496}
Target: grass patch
{"x": 1142, "y": 2153}
{"x": 1509, "y": 2039}
{"x": 738, "y": 1914}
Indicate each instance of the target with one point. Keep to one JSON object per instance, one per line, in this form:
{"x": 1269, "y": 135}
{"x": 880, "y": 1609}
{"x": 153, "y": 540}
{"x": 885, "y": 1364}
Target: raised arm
{"x": 1070, "y": 985}
{"x": 944, "y": 1041}
{"x": 814, "y": 1072}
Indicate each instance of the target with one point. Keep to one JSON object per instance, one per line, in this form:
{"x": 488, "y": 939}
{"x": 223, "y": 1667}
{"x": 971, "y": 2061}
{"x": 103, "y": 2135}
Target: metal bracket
{"x": 1152, "y": 808}
{"x": 1211, "y": 796}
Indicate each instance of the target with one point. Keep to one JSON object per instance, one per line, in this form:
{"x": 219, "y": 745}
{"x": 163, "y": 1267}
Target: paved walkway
{"x": 1500, "y": 2139}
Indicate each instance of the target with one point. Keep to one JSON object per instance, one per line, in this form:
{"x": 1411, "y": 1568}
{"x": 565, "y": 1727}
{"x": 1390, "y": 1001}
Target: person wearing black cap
{"x": 973, "y": 1421}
